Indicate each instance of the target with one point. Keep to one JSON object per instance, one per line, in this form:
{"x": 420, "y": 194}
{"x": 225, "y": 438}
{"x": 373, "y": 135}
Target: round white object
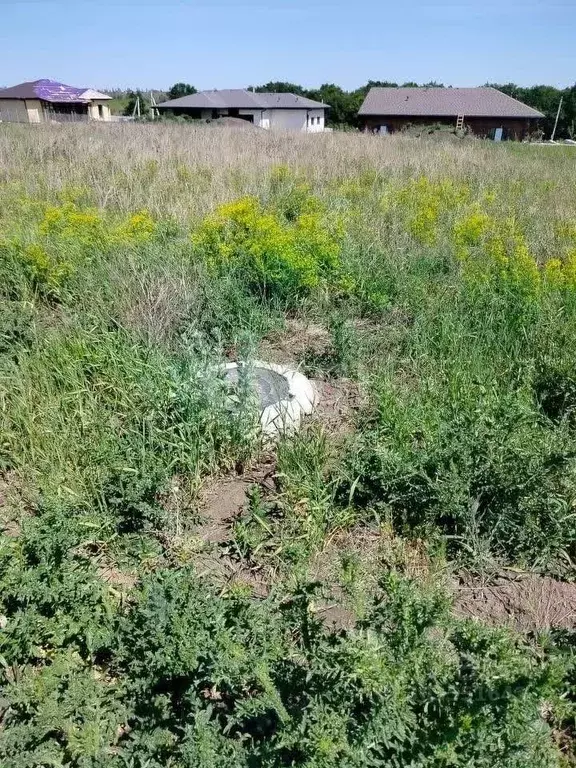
{"x": 284, "y": 395}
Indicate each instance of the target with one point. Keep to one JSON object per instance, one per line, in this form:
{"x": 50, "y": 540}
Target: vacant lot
{"x": 390, "y": 587}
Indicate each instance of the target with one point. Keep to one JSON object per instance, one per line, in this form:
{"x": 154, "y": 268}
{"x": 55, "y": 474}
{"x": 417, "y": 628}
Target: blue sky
{"x": 228, "y": 43}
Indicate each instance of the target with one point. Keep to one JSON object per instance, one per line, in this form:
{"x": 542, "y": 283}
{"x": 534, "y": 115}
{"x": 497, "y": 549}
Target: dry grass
{"x": 184, "y": 171}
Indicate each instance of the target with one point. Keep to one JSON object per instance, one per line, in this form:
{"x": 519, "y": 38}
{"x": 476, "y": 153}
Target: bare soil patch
{"x": 339, "y": 401}
{"x": 227, "y": 571}
{"x": 351, "y": 564}
{"x": 528, "y": 602}
{"x": 120, "y": 580}
{"x": 295, "y": 342}
{"x": 15, "y": 503}
{"x": 222, "y": 501}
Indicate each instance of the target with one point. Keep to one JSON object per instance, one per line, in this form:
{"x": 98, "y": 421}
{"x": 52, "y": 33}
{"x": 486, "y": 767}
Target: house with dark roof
{"x": 284, "y": 111}
{"x": 42, "y": 101}
{"x": 485, "y": 112}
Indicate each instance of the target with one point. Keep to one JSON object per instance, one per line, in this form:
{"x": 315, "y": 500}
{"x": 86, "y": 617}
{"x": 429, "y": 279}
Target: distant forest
{"x": 345, "y": 104}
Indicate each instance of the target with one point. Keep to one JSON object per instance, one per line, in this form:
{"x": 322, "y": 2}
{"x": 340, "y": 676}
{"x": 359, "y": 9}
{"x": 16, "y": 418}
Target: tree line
{"x": 344, "y": 105}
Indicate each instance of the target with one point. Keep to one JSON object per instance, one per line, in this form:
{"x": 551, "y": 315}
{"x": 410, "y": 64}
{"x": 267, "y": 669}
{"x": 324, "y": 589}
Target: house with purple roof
{"x": 42, "y": 101}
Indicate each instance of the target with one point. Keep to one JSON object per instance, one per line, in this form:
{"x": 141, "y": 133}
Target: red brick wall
{"x": 514, "y": 128}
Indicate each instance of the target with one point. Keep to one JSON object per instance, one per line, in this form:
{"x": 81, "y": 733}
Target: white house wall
{"x": 310, "y": 120}
{"x": 288, "y": 119}
{"x": 265, "y": 119}
{"x": 316, "y": 121}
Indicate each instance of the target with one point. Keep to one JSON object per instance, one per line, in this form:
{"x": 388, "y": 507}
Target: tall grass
{"x": 185, "y": 171}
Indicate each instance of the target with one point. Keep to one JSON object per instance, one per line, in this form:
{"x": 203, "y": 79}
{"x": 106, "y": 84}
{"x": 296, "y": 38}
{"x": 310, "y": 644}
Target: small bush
{"x": 60, "y": 239}
{"x": 478, "y": 465}
{"x": 275, "y": 257}
{"x": 555, "y": 390}
{"x": 49, "y": 592}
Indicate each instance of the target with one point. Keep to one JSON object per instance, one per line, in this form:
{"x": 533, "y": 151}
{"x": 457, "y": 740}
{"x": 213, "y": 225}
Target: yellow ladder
{"x": 460, "y": 122}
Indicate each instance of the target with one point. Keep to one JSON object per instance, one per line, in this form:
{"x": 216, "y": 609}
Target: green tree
{"x": 181, "y": 89}
{"x": 569, "y": 111}
{"x": 343, "y": 105}
{"x": 276, "y": 86}
{"x": 133, "y": 97}
{"x": 546, "y": 98}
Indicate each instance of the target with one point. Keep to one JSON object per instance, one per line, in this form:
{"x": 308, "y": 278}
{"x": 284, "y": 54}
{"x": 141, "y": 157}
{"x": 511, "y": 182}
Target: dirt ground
{"x": 15, "y": 503}
{"x": 339, "y": 400}
{"x": 524, "y": 601}
{"x": 222, "y": 500}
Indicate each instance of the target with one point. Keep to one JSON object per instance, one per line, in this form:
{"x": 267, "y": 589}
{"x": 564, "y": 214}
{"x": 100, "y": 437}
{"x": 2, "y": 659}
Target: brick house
{"x": 485, "y": 112}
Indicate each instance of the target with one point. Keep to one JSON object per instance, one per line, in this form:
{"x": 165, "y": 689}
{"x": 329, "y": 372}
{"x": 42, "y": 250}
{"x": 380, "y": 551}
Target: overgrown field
{"x": 175, "y": 594}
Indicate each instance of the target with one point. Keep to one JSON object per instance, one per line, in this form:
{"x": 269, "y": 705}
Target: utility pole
{"x": 557, "y": 118}
{"x": 153, "y": 111}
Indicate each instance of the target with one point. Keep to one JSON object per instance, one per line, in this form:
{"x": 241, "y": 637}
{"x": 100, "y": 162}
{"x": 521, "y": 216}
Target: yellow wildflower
{"x": 554, "y": 273}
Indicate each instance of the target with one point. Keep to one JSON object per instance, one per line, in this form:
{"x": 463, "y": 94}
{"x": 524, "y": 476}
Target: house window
{"x": 100, "y": 111}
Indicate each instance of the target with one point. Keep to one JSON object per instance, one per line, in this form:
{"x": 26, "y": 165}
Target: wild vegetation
{"x": 434, "y": 288}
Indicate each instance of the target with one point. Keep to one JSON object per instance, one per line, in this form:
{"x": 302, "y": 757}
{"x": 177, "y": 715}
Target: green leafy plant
{"x": 275, "y": 257}
{"x": 478, "y": 464}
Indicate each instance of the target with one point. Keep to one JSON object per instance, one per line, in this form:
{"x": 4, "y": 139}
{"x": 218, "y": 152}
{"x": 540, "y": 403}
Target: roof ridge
{"x": 475, "y": 101}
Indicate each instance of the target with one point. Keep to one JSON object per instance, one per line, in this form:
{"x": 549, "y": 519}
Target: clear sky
{"x": 229, "y": 43}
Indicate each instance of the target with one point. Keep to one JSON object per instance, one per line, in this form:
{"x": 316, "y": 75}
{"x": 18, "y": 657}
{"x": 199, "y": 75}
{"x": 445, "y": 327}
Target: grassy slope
{"x": 118, "y": 105}
{"x": 441, "y": 309}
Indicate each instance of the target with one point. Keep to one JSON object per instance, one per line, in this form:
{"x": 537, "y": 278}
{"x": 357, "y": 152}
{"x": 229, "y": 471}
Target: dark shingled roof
{"x": 242, "y": 99}
{"x": 444, "y": 102}
{"x": 47, "y": 90}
